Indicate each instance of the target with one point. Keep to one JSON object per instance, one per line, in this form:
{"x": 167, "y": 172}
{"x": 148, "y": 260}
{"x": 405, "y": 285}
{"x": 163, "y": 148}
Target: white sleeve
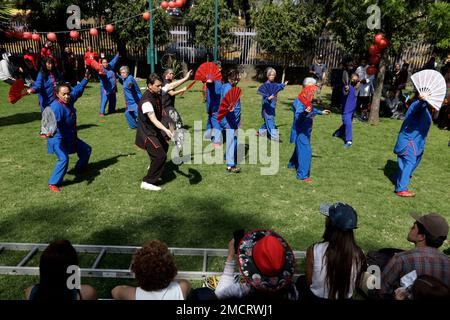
{"x": 227, "y": 287}
{"x": 147, "y": 108}
{"x": 166, "y": 87}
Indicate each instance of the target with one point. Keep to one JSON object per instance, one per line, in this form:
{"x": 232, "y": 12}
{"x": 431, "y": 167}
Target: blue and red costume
{"x": 108, "y": 87}
{"x": 349, "y": 100}
{"x": 411, "y": 142}
{"x": 301, "y": 137}
{"x": 213, "y": 98}
{"x": 268, "y": 114}
{"x": 65, "y": 140}
{"x": 231, "y": 123}
{"x": 44, "y": 88}
{"x": 132, "y": 97}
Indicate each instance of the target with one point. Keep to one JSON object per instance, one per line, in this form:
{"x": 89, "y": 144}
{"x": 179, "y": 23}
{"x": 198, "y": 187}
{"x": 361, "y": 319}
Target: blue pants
{"x": 107, "y": 98}
{"x": 131, "y": 117}
{"x": 231, "y": 151}
{"x": 216, "y": 133}
{"x": 407, "y": 164}
{"x": 268, "y": 125}
{"x": 301, "y": 158}
{"x": 83, "y": 152}
{"x": 346, "y": 129}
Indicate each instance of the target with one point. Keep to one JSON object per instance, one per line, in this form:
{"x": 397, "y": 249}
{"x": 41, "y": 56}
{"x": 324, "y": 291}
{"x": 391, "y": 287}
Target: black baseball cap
{"x": 341, "y": 215}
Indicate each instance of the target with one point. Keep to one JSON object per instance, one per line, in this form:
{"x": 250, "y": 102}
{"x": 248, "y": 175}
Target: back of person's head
{"x": 53, "y": 266}
{"x": 267, "y": 263}
{"x": 426, "y": 287}
{"x": 154, "y": 266}
{"x": 342, "y": 254}
{"x": 434, "y": 227}
{"x": 233, "y": 75}
{"x": 166, "y": 72}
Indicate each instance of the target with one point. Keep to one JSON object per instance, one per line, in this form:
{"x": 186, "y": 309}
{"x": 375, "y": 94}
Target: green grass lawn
{"x": 201, "y": 205}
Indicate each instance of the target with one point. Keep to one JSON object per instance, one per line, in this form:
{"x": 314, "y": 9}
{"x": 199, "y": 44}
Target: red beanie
{"x": 269, "y": 256}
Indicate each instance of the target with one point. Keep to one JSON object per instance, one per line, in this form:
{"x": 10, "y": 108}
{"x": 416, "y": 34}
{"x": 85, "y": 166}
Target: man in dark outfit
{"x": 150, "y": 131}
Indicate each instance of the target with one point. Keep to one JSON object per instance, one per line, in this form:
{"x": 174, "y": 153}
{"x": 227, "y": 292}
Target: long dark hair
{"x": 55, "y": 260}
{"x": 44, "y": 70}
{"x": 341, "y": 255}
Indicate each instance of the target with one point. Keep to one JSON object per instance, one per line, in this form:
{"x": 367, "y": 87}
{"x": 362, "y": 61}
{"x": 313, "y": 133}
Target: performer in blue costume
{"x": 301, "y": 130}
{"x": 269, "y": 102}
{"x": 350, "y": 96}
{"x": 108, "y": 86}
{"x": 231, "y": 123}
{"x": 64, "y": 140}
{"x": 411, "y": 144}
{"x": 132, "y": 95}
{"x": 45, "y": 83}
{"x": 213, "y": 92}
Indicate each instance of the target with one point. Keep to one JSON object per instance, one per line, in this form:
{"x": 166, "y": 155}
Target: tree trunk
{"x": 374, "y": 117}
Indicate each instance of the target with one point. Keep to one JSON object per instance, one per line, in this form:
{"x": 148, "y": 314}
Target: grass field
{"x": 201, "y": 205}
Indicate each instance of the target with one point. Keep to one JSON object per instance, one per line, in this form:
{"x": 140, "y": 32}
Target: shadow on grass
{"x": 171, "y": 170}
{"x": 93, "y": 170}
{"x": 198, "y": 223}
{"x": 20, "y": 118}
{"x": 86, "y": 126}
{"x": 390, "y": 170}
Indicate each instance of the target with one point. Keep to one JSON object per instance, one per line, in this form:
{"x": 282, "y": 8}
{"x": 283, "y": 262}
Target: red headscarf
{"x": 307, "y": 94}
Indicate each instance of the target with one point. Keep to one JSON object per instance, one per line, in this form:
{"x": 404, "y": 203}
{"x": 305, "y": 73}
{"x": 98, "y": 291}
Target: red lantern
{"x": 371, "y": 70}
{"x": 179, "y": 3}
{"x": 9, "y": 34}
{"x": 383, "y": 44}
{"x": 146, "y": 16}
{"x": 164, "y": 5}
{"x": 18, "y": 35}
{"x": 27, "y": 35}
{"x": 74, "y": 34}
{"x": 51, "y": 37}
{"x": 93, "y": 32}
{"x": 36, "y": 37}
{"x": 171, "y": 4}
{"x": 378, "y": 38}
{"x": 109, "y": 28}
{"x": 374, "y": 50}
{"x": 375, "y": 60}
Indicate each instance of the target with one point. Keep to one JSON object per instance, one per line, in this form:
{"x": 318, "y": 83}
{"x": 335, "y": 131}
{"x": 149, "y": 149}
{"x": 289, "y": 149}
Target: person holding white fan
{"x": 430, "y": 92}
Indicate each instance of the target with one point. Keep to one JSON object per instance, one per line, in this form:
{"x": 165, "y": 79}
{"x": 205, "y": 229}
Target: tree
{"x": 201, "y": 22}
{"x": 287, "y": 29}
{"x": 402, "y": 22}
{"x": 136, "y": 31}
{"x": 5, "y": 13}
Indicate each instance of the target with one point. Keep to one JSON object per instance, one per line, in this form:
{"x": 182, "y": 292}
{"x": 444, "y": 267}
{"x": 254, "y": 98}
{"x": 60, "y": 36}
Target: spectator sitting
{"x": 155, "y": 271}
{"x": 395, "y": 105}
{"x": 427, "y": 233}
{"x": 53, "y": 275}
{"x": 7, "y": 69}
{"x": 266, "y": 262}
{"x": 335, "y": 266}
{"x": 424, "y": 288}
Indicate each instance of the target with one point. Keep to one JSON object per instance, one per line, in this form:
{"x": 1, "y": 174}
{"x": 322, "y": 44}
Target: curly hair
{"x": 154, "y": 266}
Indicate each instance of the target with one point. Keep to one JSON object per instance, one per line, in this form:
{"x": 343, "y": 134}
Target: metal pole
{"x": 216, "y": 5}
{"x": 151, "y": 51}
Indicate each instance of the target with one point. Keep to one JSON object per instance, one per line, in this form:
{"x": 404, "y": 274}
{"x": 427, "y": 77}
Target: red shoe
{"x": 307, "y": 180}
{"x": 102, "y": 114}
{"x": 54, "y": 188}
{"x": 405, "y": 193}
{"x": 43, "y": 136}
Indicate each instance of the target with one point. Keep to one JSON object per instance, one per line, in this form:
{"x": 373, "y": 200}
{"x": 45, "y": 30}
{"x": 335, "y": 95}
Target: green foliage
{"x": 201, "y": 21}
{"x": 439, "y": 25}
{"x": 286, "y": 28}
{"x": 5, "y": 12}
{"x": 136, "y": 31}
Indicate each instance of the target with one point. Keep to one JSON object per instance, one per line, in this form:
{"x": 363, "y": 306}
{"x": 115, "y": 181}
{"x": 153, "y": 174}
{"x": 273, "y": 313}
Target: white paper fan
{"x": 48, "y": 122}
{"x": 431, "y": 85}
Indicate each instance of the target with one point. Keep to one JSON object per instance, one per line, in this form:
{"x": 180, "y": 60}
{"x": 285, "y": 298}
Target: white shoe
{"x": 149, "y": 186}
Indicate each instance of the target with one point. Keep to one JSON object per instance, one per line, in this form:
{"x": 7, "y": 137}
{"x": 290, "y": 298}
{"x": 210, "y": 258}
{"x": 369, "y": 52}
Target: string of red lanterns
{"x": 375, "y": 51}
{"x": 74, "y": 34}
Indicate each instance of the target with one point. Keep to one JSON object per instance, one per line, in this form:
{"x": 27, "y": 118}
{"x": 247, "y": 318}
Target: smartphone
{"x": 238, "y": 235}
